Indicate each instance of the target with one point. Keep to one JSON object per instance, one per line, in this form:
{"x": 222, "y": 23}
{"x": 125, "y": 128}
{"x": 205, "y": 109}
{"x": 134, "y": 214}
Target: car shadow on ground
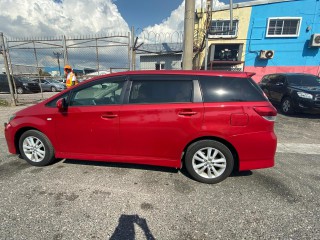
{"x": 235, "y": 173}
{"x": 183, "y": 170}
{"x": 120, "y": 165}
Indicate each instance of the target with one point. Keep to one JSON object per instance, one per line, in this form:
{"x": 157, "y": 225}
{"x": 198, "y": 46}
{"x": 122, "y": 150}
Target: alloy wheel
{"x": 34, "y": 149}
{"x": 19, "y": 90}
{"x": 286, "y": 106}
{"x": 209, "y": 163}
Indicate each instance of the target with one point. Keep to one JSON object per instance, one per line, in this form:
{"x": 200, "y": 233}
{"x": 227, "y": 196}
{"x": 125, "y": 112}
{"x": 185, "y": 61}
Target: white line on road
{"x": 301, "y": 148}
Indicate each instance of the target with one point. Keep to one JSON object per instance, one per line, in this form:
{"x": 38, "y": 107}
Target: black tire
{"x": 53, "y": 89}
{"x": 20, "y": 90}
{"x": 36, "y": 148}
{"x": 213, "y": 172}
{"x": 287, "y": 106}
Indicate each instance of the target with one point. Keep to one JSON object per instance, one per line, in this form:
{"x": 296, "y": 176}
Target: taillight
{"x": 268, "y": 113}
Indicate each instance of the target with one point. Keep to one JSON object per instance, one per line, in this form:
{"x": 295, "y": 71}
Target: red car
{"x": 211, "y": 122}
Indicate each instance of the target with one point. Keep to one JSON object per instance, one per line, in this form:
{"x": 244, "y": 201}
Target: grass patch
{"x": 4, "y": 103}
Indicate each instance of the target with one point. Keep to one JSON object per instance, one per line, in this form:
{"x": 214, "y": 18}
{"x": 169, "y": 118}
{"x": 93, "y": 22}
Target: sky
{"x": 53, "y": 18}
{"x": 153, "y": 12}
{"x": 31, "y": 18}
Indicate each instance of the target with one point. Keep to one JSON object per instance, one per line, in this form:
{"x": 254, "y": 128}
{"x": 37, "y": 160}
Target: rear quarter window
{"x": 230, "y": 89}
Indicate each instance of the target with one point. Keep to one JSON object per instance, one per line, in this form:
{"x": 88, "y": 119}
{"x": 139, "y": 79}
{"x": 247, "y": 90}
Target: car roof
{"x": 190, "y": 73}
{"x": 179, "y": 72}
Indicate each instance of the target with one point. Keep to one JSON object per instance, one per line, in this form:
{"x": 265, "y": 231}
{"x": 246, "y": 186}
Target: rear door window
{"x": 229, "y": 89}
{"x": 161, "y": 91}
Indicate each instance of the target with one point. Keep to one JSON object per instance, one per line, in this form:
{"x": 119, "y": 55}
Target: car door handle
{"x": 187, "y": 113}
{"x": 109, "y": 115}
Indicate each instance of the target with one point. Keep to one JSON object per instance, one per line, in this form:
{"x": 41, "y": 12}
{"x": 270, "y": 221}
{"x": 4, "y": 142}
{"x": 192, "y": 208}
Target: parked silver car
{"x": 51, "y": 85}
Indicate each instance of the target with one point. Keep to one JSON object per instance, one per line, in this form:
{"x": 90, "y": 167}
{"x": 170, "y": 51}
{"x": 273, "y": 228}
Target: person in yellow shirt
{"x": 71, "y": 78}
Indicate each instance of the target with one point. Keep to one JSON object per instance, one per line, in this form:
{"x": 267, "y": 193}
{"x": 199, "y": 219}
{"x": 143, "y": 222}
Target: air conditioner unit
{"x": 266, "y": 54}
{"x": 315, "y": 40}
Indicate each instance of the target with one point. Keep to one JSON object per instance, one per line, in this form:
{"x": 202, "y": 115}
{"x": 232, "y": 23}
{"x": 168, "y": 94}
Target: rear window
{"x": 229, "y": 89}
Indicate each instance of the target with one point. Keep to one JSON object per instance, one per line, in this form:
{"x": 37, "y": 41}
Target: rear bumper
{"x": 256, "y": 164}
{"x": 255, "y": 150}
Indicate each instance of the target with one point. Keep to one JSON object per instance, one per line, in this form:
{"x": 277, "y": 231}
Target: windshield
{"x": 304, "y": 80}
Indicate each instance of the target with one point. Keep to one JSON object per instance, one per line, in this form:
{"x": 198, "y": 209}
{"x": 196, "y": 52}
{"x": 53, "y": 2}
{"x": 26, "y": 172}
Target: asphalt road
{"x": 88, "y": 200}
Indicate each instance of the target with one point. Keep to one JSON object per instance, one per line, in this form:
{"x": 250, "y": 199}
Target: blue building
{"x": 268, "y": 36}
{"x": 284, "y": 37}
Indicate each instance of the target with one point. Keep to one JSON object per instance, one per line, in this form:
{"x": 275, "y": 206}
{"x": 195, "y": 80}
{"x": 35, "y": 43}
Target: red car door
{"x": 159, "y": 127}
{"x": 90, "y": 125}
{"x": 88, "y": 130}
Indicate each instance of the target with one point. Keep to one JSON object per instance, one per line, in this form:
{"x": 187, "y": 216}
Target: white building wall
{"x": 170, "y": 61}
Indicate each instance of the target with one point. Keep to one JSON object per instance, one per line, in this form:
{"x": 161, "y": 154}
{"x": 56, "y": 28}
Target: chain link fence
{"x": 158, "y": 51}
{"x": 33, "y": 62}
{"x": 37, "y": 60}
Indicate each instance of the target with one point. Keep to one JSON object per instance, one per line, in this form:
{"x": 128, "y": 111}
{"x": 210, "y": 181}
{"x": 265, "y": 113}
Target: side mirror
{"x": 61, "y": 104}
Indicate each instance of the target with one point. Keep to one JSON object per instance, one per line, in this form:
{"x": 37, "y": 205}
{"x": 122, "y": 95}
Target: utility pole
{"x": 65, "y": 51}
{"x": 58, "y": 54}
{"x": 188, "y": 34}
{"x": 231, "y": 17}
{"x": 133, "y": 51}
{"x": 3, "y": 51}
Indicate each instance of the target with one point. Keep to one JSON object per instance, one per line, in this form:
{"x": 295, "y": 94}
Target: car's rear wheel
{"x": 53, "y": 89}
{"x": 209, "y": 161}
{"x": 287, "y": 106}
{"x": 36, "y": 148}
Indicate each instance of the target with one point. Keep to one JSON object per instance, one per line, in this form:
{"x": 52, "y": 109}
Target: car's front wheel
{"x": 287, "y": 106}
{"x": 36, "y": 148}
{"x": 209, "y": 161}
{"x": 20, "y": 90}
{"x": 53, "y": 89}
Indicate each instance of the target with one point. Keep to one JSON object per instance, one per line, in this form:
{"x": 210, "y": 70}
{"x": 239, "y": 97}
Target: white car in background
{"x": 91, "y": 75}
{"x": 51, "y": 85}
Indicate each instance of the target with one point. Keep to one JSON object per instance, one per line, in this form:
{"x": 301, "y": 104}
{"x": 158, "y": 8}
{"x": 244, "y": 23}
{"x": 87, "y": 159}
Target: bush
{"x": 4, "y": 102}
